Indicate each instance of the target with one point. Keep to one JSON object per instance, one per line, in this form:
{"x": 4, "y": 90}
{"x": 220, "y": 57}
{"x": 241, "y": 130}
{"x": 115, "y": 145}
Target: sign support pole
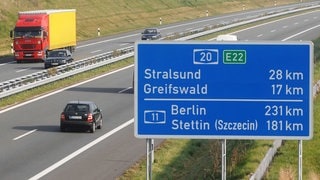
{"x": 223, "y": 159}
{"x": 149, "y": 158}
{"x": 300, "y": 160}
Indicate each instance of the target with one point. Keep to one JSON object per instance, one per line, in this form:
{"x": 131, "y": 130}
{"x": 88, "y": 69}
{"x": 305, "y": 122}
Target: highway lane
{"x": 106, "y": 44}
{"x": 269, "y": 34}
{"x": 302, "y": 27}
{"x": 24, "y": 157}
{"x": 31, "y": 154}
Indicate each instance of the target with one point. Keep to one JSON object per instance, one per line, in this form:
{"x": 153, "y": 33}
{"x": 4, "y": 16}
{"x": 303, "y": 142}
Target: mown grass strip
{"x": 114, "y": 16}
{"x": 285, "y": 163}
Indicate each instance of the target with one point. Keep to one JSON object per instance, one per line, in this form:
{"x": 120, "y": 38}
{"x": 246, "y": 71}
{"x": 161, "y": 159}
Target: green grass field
{"x": 114, "y": 16}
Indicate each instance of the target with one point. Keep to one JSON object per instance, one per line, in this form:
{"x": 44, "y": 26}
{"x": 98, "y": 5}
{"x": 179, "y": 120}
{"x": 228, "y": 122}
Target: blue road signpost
{"x": 223, "y": 90}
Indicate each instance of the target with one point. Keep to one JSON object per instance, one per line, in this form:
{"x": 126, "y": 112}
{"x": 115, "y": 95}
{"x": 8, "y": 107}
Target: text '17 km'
{"x": 285, "y": 89}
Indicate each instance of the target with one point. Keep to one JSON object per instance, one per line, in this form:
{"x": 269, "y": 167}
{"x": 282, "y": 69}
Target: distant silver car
{"x": 58, "y": 57}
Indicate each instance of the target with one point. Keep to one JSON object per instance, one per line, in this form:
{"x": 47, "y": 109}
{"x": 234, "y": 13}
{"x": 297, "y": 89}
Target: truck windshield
{"x": 27, "y": 34}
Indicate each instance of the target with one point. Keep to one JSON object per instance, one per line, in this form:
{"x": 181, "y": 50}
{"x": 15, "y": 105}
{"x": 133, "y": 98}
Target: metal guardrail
{"x": 264, "y": 164}
{"x": 30, "y": 81}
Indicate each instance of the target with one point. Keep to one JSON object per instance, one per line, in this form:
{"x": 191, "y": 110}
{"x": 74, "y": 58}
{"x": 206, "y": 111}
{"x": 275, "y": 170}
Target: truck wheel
{"x": 62, "y": 129}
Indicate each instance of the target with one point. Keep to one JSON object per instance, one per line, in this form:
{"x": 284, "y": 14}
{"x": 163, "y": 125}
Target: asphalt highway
{"x": 10, "y": 69}
{"x": 32, "y": 145}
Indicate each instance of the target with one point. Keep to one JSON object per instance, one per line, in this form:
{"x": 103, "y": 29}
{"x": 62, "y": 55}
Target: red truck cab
{"x": 30, "y": 34}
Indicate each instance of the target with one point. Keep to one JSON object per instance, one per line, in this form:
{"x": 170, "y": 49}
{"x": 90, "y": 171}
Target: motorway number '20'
{"x": 205, "y": 56}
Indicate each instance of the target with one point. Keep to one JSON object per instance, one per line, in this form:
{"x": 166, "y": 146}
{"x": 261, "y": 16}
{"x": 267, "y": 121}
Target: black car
{"x": 57, "y": 57}
{"x": 150, "y": 34}
{"x": 81, "y": 114}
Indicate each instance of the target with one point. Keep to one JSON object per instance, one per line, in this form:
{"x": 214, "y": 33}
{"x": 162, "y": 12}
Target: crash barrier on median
{"x": 264, "y": 164}
{"x": 30, "y": 81}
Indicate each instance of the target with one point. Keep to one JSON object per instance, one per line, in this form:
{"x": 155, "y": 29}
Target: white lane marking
{"x": 79, "y": 151}
{"x": 25, "y": 134}
{"x": 124, "y": 44}
{"x": 301, "y": 32}
{"x": 3, "y": 64}
{"x": 100, "y": 42}
{"x": 11, "y": 62}
{"x": 92, "y": 52}
{"x": 263, "y": 24}
{"x": 260, "y": 35}
{"x": 58, "y": 91}
{"x": 273, "y": 30}
{"x": 21, "y": 70}
{"x": 284, "y": 27}
{"x": 124, "y": 90}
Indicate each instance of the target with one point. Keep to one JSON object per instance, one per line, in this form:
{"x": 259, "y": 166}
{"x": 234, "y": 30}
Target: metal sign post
{"x": 150, "y": 155}
{"x": 224, "y": 159}
{"x": 300, "y": 160}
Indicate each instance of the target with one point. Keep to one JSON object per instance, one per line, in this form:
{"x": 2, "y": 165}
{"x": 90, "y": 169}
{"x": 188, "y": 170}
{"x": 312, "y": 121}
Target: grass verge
{"x": 285, "y": 163}
{"x": 201, "y": 159}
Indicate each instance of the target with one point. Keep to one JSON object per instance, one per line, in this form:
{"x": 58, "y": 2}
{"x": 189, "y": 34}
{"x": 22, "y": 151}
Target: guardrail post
{"x": 6, "y": 86}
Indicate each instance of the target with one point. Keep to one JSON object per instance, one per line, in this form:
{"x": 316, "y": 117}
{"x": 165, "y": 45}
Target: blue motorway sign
{"x": 223, "y": 90}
